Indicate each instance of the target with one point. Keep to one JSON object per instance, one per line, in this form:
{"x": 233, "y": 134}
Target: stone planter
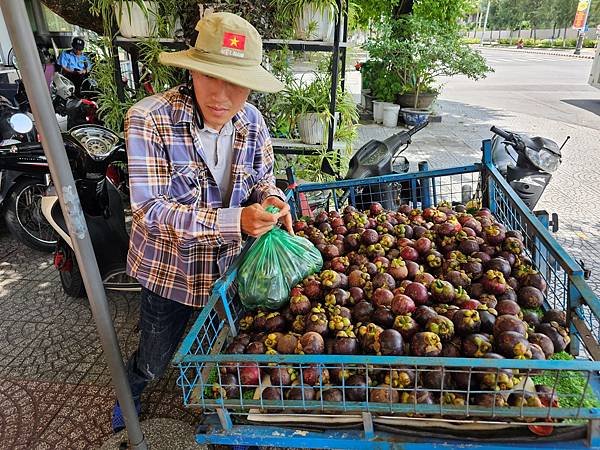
{"x": 132, "y": 20}
{"x": 408, "y": 100}
{"x": 311, "y": 128}
{"x": 315, "y": 24}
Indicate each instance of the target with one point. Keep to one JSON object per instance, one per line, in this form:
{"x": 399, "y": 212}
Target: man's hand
{"x": 255, "y": 221}
{"x": 284, "y": 211}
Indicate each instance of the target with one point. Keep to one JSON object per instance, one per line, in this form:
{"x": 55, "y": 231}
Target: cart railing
{"x": 203, "y": 367}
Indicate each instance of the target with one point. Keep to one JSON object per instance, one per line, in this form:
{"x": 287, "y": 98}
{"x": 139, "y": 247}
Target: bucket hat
{"x": 229, "y": 48}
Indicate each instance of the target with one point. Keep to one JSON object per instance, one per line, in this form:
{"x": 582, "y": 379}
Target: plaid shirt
{"x": 182, "y": 237}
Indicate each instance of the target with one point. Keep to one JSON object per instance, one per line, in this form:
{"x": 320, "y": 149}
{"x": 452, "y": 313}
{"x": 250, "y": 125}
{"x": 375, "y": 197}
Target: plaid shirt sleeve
{"x": 265, "y": 187}
{"x": 149, "y": 177}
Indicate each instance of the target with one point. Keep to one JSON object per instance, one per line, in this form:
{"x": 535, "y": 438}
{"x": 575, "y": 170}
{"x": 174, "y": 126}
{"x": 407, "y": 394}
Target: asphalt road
{"x": 541, "y": 86}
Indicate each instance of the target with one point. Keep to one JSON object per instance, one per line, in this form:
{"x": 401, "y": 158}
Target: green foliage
{"x": 416, "y": 58}
{"x": 445, "y": 13}
{"x": 314, "y": 96}
{"x": 374, "y": 11}
{"x": 163, "y": 77}
{"x": 571, "y": 386}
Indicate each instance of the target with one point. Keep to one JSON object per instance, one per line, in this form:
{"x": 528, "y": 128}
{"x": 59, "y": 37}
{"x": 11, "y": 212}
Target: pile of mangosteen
{"x": 441, "y": 281}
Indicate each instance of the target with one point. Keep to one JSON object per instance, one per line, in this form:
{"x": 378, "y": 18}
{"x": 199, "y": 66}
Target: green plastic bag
{"x": 276, "y": 262}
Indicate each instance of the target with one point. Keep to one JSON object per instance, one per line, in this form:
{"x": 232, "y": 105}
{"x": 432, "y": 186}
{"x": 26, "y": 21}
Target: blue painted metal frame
{"x": 579, "y": 292}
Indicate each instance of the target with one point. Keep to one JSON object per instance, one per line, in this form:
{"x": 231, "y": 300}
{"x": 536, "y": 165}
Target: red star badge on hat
{"x": 234, "y": 41}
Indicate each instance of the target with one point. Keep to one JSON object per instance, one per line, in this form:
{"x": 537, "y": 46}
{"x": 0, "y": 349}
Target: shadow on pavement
{"x": 591, "y": 105}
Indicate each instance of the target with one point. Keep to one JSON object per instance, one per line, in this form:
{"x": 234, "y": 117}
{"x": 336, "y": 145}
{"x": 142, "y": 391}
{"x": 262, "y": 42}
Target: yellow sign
{"x": 581, "y": 14}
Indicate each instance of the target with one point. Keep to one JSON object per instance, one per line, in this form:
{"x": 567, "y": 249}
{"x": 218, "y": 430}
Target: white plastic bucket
{"x": 390, "y": 115}
{"x": 378, "y": 111}
{"x": 132, "y": 20}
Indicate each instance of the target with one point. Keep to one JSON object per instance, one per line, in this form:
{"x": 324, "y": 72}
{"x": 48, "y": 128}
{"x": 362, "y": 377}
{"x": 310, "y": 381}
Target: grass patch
{"x": 570, "y": 386}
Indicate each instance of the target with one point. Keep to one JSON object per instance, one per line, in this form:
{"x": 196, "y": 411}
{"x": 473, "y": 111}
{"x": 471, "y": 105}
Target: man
{"x": 74, "y": 64}
{"x": 201, "y": 176}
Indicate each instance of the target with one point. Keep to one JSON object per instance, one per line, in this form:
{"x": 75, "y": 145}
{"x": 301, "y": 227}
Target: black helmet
{"x": 77, "y": 43}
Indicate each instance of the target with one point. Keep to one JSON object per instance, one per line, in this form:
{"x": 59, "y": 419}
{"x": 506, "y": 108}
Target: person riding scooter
{"x": 74, "y": 64}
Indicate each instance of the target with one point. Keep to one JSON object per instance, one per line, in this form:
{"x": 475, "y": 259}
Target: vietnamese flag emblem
{"x": 234, "y": 41}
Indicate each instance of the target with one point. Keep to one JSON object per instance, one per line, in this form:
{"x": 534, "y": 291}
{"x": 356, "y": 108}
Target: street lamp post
{"x": 487, "y": 13}
{"x": 581, "y": 30}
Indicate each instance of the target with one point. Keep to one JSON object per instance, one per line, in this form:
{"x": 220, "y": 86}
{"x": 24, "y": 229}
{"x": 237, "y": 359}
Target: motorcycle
{"x": 526, "y": 163}
{"x": 21, "y": 187}
{"x": 377, "y": 158}
{"x": 91, "y": 150}
{"x": 77, "y": 110}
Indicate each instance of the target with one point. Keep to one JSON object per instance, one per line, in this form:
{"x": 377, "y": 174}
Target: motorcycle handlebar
{"x": 500, "y": 132}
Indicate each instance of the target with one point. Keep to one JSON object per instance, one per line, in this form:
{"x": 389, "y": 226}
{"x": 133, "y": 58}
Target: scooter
{"x": 91, "y": 150}
{"x": 377, "y": 158}
{"x": 77, "y": 110}
{"x": 22, "y": 187}
{"x": 526, "y": 163}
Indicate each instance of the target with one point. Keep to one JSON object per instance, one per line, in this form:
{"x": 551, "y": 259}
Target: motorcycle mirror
{"x": 21, "y": 123}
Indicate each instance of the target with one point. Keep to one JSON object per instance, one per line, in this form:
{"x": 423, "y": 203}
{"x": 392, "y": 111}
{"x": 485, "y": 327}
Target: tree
{"x": 563, "y": 12}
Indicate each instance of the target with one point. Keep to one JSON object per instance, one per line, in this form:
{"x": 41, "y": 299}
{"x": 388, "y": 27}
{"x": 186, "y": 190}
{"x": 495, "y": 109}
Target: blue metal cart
{"x": 246, "y": 418}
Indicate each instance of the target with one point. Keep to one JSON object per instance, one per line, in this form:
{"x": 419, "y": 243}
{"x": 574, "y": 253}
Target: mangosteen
{"x": 531, "y": 317}
{"x": 369, "y": 237}
{"x": 557, "y": 334}
{"x": 409, "y": 253}
{"x": 482, "y": 257}
{"x": 511, "y": 323}
{"x": 332, "y": 395}
{"x": 513, "y": 245}
{"x": 555, "y": 315}
{"x": 434, "y": 260}
{"x": 494, "y": 282}
{"x": 476, "y": 290}
{"x": 512, "y": 344}
{"x": 406, "y": 325}
{"x": 416, "y": 396}
{"x": 475, "y": 345}
{"x": 272, "y": 393}
{"x": 536, "y": 353}
{"x": 228, "y": 387}
{"x": 331, "y": 279}
{"x": 282, "y": 376}
{"x": 488, "y": 318}
{"x": 496, "y": 400}
{"x": 402, "y": 304}
{"x": 425, "y": 278}
{"x": 509, "y": 294}
{"x": 548, "y": 395}
{"x": 356, "y": 388}
{"x": 496, "y": 379}
{"x": 418, "y": 292}
{"x": 425, "y": 344}
{"x": 452, "y": 348}
{"x": 235, "y": 347}
{"x": 488, "y": 300}
{"x": 389, "y": 343}
{"x": 311, "y": 343}
{"x": 468, "y": 246}
{"x": 312, "y": 288}
{"x": 249, "y": 374}
{"x": 494, "y": 234}
{"x": 466, "y": 321}
{"x": 442, "y": 291}
{"x": 271, "y": 339}
{"x": 536, "y": 280}
{"x": 314, "y": 375}
{"x": 437, "y": 379}
{"x": 287, "y": 344}
{"x": 382, "y": 297}
{"x": 530, "y": 297}
{"x": 383, "y": 316}
{"x": 423, "y": 313}
{"x": 256, "y": 348}
{"x": 337, "y": 296}
{"x": 508, "y": 307}
{"x": 383, "y": 393}
{"x": 524, "y": 398}
{"x": 412, "y": 268}
{"x": 457, "y": 278}
{"x": 345, "y": 343}
{"x": 367, "y": 335}
{"x": 510, "y": 257}
{"x": 399, "y": 377}
{"x": 299, "y": 304}
{"x": 356, "y": 295}
{"x": 446, "y": 310}
{"x": 370, "y": 269}
{"x": 361, "y": 312}
{"x": 316, "y": 320}
{"x": 442, "y": 326}
{"x": 301, "y": 393}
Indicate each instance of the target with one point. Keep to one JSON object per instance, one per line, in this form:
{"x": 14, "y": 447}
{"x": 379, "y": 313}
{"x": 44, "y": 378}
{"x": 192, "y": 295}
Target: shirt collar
{"x": 183, "y": 111}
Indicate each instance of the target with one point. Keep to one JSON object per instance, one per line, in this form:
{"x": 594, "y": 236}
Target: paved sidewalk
{"x": 586, "y": 53}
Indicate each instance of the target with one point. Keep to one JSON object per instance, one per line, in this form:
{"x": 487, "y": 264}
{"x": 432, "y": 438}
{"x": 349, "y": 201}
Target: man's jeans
{"x": 162, "y": 323}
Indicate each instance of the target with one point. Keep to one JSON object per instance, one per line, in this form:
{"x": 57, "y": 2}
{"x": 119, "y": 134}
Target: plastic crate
{"x": 422, "y": 401}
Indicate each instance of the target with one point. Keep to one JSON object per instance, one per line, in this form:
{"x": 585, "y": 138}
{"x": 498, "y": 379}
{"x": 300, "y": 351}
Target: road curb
{"x": 539, "y": 52}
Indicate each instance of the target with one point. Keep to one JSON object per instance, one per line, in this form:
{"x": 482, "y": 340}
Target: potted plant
{"x": 305, "y": 103}
{"x": 415, "y": 52}
{"x": 311, "y": 19}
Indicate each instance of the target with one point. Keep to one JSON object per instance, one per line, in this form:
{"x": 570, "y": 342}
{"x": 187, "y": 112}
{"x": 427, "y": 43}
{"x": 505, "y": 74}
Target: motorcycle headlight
{"x": 543, "y": 159}
{"x": 98, "y": 142}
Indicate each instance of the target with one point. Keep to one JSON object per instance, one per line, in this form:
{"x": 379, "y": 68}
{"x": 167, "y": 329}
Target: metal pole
{"x": 581, "y": 32}
{"x": 487, "y": 13}
{"x": 21, "y": 36}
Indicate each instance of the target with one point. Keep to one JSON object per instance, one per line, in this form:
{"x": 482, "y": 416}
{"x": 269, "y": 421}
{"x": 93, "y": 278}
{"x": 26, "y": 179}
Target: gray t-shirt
{"x": 218, "y": 148}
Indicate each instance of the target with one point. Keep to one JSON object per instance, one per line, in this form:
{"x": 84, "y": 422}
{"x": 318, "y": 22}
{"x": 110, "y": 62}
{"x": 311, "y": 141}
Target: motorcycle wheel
{"x": 24, "y": 218}
{"x": 71, "y": 280}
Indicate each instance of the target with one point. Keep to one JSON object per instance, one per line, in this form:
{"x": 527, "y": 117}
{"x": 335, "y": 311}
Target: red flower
{"x": 358, "y": 65}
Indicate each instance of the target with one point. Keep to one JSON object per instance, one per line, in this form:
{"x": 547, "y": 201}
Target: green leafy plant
{"x": 105, "y": 9}
{"x": 415, "y": 52}
{"x": 163, "y": 77}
